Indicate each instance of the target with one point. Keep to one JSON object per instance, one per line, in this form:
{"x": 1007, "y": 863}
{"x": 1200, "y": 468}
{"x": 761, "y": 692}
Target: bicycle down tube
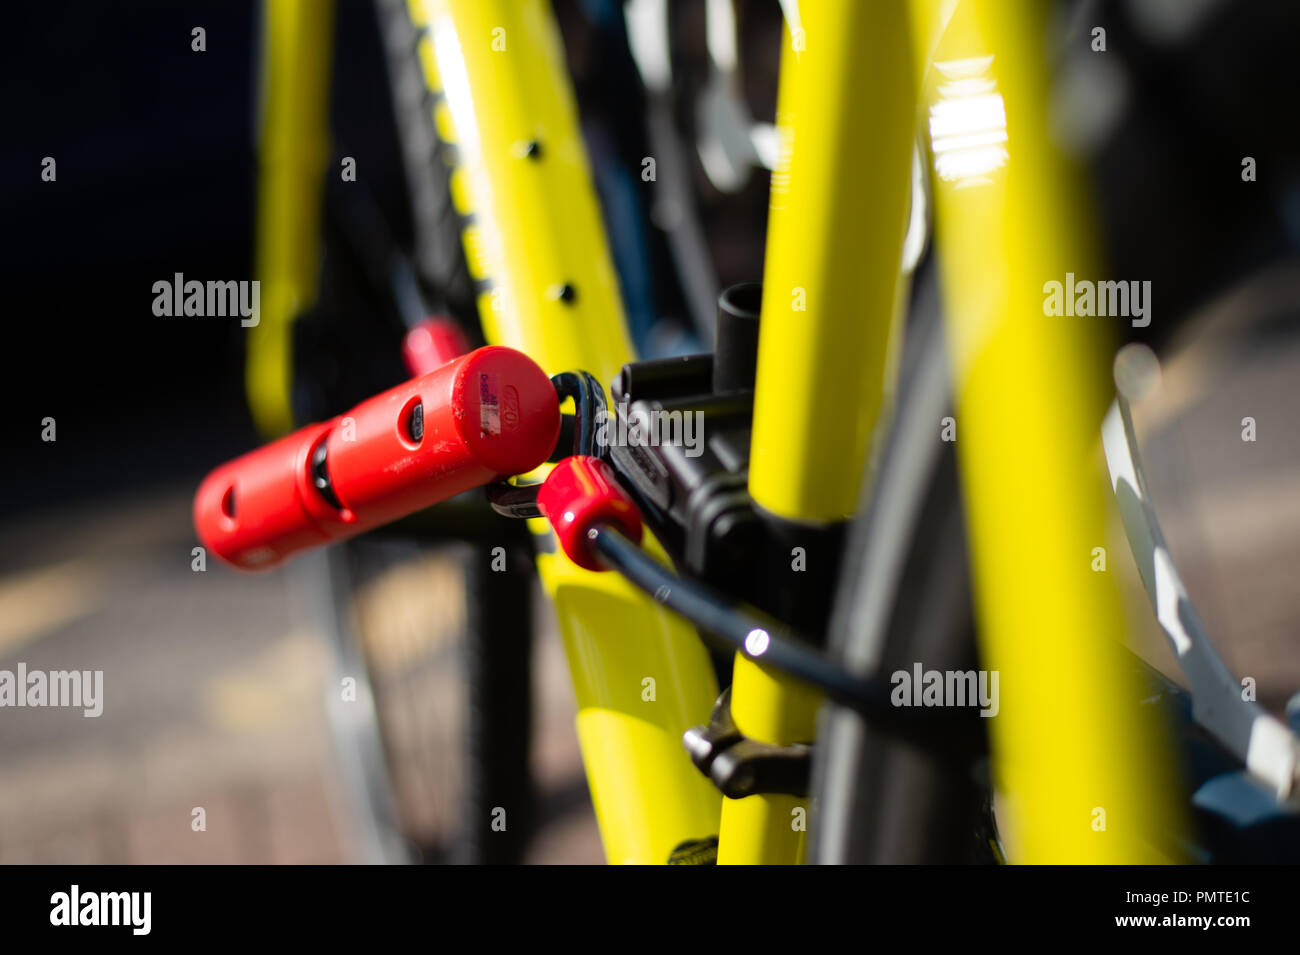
{"x": 838, "y": 216}
{"x": 546, "y": 285}
{"x": 1084, "y": 772}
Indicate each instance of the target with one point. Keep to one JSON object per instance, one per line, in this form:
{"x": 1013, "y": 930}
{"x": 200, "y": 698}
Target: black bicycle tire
{"x": 903, "y": 597}
{"x": 470, "y": 777}
{"x": 438, "y": 250}
{"x": 499, "y": 798}
{"x": 494, "y": 656}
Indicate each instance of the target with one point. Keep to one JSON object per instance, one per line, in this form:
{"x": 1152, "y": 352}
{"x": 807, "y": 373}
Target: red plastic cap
{"x": 579, "y": 493}
{"x": 489, "y": 414}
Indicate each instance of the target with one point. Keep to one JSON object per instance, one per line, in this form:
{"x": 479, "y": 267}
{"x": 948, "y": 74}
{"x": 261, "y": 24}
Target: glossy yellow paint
{"x": 767, "y": 829}
{"x": 536, "y": 226}
{"x": 1083, "y": 772}
{"x": 641, "y": 678}
{"x": 640, "y": 673}
{"x": 929, "y": 21}
{"x": 293, "y": 151}
{"x": 846, "y": 113}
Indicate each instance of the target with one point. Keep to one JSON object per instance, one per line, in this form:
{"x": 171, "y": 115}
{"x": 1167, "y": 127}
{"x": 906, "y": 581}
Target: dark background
{"x": 155, "y": 152}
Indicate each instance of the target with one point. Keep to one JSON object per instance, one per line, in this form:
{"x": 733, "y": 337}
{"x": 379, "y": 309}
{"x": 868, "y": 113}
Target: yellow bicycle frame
{"x": 831, "y": 278}
{"x": 537, "y": 250}
{"x": 856, "y": 77}
{"x": 293, "y": 149}
{"x": 1083, "y": 771}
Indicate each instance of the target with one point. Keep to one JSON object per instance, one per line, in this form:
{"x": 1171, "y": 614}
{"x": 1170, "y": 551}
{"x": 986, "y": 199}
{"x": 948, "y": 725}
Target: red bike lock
{"x": 579, "y": 493}
{"x": 486, "y": 415}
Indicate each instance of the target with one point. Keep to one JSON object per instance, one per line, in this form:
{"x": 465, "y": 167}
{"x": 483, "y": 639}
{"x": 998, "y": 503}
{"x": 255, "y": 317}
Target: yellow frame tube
{"x": 1082, "y": 769}
{"x": 640, "y": 674}
{"x": 294, "y": 148}
{"x": 846, "y": 113}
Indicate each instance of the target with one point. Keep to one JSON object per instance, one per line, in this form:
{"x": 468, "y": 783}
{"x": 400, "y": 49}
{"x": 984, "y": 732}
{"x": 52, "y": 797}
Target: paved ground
{"x": 214, "y": 699}
{"x": 214, "y": 680}
{"x": 1230, "y": 508}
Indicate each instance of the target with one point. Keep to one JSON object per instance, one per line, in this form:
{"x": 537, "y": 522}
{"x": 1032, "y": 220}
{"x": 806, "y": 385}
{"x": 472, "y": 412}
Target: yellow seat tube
{"x": 537, "y": 252}
{"x": 292, "y": 153}
{"x": 846, "y": 114}
{"x": 534, "y": 240}
{"x": 1082, "y": 770}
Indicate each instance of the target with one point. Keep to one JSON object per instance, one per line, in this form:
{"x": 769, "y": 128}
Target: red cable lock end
{"x": 579, "y": 493}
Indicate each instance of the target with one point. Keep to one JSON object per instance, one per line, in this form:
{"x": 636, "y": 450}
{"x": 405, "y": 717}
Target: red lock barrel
{"x": 486, "y": 415}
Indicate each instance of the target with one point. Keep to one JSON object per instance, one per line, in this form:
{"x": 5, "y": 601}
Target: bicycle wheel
{"x": 903, "y": 599}
{"x": 438, "y": 254}
{"x": 431, "y": 619}
{"x": 442, "y": 635}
